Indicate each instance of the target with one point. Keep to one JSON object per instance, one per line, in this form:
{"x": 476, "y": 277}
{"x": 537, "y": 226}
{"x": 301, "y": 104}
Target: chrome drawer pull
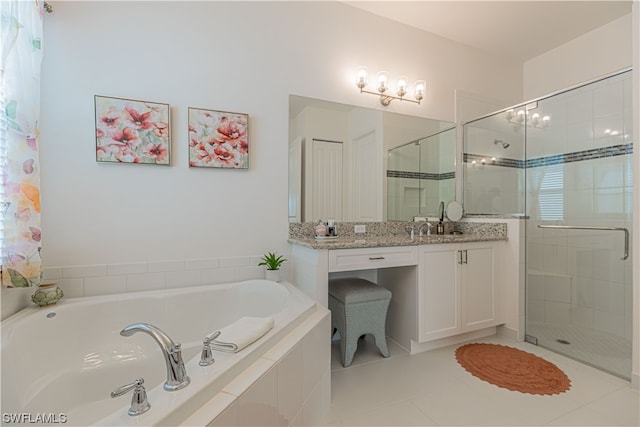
{"x": 375, "y": 258}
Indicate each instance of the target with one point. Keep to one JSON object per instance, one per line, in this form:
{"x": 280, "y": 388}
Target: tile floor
{"x": 431, "y": 389}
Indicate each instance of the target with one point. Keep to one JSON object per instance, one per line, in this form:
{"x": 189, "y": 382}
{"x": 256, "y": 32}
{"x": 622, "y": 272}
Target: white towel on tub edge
{"x": 241, "y": 333}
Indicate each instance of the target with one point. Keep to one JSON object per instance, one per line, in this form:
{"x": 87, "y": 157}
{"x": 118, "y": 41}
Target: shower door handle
{"x": 581, "y": 227}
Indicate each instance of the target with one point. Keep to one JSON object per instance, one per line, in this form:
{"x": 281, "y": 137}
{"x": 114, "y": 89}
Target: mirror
{"x": 454, "y": 211}
{"x": 348, "y": 163}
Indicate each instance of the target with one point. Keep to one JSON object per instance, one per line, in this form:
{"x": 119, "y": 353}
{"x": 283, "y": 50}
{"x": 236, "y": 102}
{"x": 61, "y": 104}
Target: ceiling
{"x": 518, "y": 29}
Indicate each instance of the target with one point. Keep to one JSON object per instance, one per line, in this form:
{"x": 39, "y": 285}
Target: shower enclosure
{"x": 565, "y": 163}
{"x": 421, "y": 174}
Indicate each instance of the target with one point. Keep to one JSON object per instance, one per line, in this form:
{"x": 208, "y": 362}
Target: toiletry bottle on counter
{"x": 321, "y": 229}
{"x": 331, "y": 228}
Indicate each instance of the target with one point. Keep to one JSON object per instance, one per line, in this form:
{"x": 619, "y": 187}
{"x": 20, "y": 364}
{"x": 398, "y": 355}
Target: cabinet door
{"x": 478, "y": 286}
{"x": 438, "y": 291}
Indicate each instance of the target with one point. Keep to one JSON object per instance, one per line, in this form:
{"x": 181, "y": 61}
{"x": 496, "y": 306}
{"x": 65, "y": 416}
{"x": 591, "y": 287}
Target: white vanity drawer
{"x": 367, "y": 258}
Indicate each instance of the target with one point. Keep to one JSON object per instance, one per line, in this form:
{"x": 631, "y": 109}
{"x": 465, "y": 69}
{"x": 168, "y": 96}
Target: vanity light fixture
{"x": 382, "y": 86}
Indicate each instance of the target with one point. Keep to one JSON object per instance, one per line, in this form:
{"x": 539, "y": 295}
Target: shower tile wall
{"x": 447, "y": 156}
{"x": 420, "y": 175}
{"x": 493, "y": 174}
{"x": 576, "y": 276}
{"x": 403, "y": 189}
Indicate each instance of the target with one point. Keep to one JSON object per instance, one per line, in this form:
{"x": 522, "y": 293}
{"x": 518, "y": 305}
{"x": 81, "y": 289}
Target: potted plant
{"x": 272, "y": 261}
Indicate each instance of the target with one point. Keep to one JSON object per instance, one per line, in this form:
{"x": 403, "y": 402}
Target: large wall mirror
{"x": 360, "y": 165}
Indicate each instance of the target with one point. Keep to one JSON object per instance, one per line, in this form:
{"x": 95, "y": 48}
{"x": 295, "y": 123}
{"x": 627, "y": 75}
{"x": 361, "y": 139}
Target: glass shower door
{"x": 578, "y": 201}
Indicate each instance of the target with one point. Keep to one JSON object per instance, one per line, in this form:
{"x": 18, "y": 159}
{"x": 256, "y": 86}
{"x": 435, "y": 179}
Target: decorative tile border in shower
{"x": 494, "y": 161}
{"x": 578, "y": 156}
{"x": 596, "y": 153}
{"x": 420, "y": 175}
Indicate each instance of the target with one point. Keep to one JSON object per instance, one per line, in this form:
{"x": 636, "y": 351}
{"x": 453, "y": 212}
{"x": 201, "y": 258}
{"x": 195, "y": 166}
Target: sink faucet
{"x": 420, "y": 232}
{"x": 177, "y": 377}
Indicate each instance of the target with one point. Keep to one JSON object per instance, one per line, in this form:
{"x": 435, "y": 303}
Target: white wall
{"x": 242, "y": 57}
{"x": 600, "y": 52}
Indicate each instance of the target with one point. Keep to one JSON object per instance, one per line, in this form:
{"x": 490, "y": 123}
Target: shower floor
{"x": 607, "y": 352}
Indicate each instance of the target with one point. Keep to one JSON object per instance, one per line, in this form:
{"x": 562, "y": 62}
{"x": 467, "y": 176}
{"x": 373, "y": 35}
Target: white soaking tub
{"x": 65, "y": 360}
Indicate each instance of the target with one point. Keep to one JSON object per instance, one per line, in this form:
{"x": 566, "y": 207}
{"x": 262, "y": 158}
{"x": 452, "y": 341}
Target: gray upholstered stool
{"x": 358, "y": 307}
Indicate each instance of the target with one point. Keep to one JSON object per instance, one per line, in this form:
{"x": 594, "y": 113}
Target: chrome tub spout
{"x": 177, "y": 377}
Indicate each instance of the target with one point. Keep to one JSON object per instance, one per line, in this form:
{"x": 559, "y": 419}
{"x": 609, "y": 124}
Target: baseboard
{"x": 504, "y": 332}
{"x": 417, "y": 347}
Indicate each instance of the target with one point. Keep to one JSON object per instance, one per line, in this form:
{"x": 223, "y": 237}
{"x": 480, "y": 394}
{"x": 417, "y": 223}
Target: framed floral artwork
{"x": 218, "y": 139}
{"x": 131, "y": 131}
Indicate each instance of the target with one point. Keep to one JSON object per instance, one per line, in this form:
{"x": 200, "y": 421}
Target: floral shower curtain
{"x": 21, "y": 56}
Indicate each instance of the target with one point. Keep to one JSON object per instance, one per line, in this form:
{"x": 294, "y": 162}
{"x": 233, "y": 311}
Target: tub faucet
{"x": 177, "y": 377}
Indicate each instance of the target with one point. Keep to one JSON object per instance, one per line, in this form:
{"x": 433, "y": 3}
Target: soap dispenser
{"x": 331, "y": 228}
{"x": 440, "y": 226}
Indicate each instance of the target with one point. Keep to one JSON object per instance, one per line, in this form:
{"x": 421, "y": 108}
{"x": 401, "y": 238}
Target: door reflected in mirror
{"x": 354, "y": 164}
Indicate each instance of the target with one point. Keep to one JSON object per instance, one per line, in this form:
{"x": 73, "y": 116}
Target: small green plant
{"x": 272, "y": 261}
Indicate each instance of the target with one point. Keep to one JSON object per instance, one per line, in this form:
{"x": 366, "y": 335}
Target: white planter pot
{"x": 272, "y": 275}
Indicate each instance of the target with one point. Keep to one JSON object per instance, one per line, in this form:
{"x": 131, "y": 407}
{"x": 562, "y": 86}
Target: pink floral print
{"x": 129, "y": 131}
{"x": 218, "y": 139}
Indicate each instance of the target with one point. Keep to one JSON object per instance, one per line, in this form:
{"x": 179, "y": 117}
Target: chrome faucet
{"x": 177, "y": 377}
{"x": 139, "y": 402}
{"x": 420, "y": 232}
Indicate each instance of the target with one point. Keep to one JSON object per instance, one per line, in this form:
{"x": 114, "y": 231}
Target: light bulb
{"x": 535, "y": 119}
{"x": 361, "y": 76}
{"x": 382, "y": 81}
{"x": 402, "y": 86}
{"x": 509, "y": 114}
{"x": 421, "y": 88}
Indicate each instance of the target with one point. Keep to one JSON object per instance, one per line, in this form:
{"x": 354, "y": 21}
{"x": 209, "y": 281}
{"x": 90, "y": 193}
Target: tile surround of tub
{"x": 104, "y": 279}
{"x": 290, "y": 385}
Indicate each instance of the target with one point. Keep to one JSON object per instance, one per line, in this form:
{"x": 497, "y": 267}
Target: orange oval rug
{"x": 513, "y": 369}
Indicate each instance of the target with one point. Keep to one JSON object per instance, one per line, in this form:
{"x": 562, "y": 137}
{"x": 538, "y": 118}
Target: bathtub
{"x": 63, "y": 361}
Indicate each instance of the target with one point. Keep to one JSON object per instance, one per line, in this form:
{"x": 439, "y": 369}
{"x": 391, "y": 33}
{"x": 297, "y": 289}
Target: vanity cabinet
{"x": 457, "y": 289}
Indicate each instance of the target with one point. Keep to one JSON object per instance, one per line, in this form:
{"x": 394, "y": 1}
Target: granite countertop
{"x": 351, "y": 241}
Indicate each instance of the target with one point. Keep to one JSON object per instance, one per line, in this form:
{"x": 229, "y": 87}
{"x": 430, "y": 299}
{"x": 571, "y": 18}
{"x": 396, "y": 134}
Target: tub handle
{"x": 206, "y": 358}
{"x": 139, "y": 402}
